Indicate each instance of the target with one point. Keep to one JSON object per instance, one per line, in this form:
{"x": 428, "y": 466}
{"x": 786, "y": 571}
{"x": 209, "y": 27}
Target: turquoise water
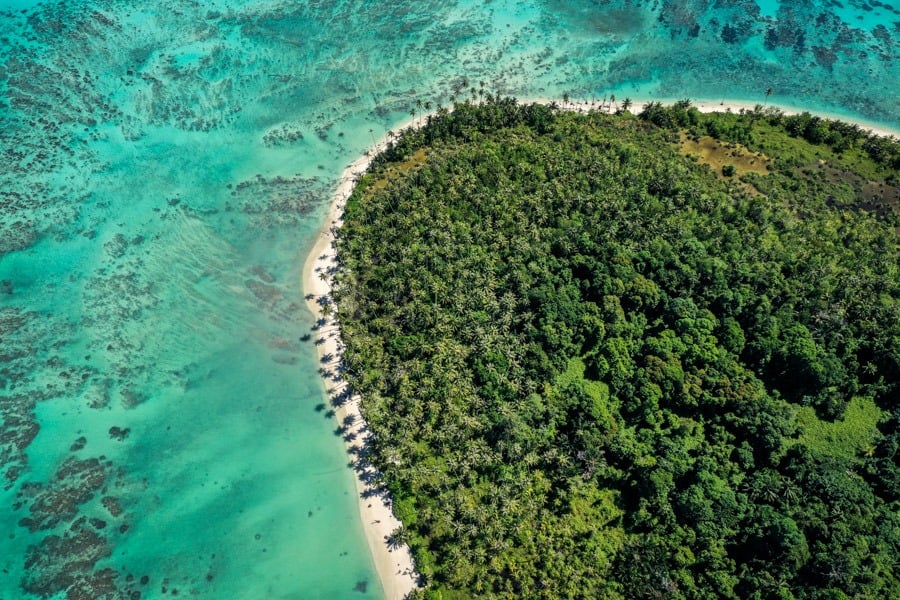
{"x": 166, "y": 165}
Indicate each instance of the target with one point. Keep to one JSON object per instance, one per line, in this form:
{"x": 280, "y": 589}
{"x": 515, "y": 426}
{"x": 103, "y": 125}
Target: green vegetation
{"x": 596, "y": 368}
{"x": 853, "y": 435}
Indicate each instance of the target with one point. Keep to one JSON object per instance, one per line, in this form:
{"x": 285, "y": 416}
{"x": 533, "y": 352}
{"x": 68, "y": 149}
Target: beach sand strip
{"x": 394, "y": 564}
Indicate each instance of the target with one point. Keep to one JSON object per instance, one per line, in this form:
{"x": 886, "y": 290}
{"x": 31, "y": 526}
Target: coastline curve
{"x": 393, "y": 562}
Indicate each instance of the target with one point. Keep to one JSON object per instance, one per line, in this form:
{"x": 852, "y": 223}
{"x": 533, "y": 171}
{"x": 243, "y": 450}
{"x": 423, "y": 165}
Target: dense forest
{"x": 615, "y": 355}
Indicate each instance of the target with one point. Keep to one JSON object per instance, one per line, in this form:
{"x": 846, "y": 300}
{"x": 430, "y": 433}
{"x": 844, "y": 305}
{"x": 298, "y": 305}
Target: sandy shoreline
{"x": 711, "y": 106}
{"x": 708, "y": 106}
{"x": 395, "y": 566}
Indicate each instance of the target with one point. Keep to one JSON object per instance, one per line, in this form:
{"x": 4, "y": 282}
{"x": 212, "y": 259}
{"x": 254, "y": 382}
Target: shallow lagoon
{"x": 166, "y": 167}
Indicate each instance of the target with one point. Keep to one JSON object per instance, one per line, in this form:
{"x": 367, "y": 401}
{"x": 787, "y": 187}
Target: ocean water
{"x": 165, "y": 167}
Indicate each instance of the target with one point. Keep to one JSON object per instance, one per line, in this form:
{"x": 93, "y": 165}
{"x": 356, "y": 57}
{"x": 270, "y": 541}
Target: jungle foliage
{"x": 596, "y": 368}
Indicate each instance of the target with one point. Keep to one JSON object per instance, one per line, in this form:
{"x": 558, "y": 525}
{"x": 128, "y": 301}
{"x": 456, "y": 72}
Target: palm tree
{"x": 626, "y": 104}
{"x": 398, "y": 538}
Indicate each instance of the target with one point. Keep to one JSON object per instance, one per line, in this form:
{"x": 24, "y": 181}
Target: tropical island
{"x": 606, "y": 355}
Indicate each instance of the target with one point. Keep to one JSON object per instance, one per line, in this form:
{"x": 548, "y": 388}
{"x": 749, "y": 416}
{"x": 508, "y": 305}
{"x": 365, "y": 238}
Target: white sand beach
{"x": 708, "y": 106}
{"x": 394, "y": 564}
{"x": 727, "y": 105}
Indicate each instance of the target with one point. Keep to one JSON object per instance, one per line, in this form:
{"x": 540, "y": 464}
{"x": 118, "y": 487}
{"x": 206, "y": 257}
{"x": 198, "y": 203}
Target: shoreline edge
{"x": 393, "y": 564}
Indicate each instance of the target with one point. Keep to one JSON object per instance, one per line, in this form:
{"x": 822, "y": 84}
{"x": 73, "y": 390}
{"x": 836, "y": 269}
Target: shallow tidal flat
{"x": 165, "y": 168}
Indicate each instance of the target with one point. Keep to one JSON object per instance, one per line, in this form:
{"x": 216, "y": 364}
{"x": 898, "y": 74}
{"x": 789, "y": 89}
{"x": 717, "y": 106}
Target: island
{"x": 605, "y": 355}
